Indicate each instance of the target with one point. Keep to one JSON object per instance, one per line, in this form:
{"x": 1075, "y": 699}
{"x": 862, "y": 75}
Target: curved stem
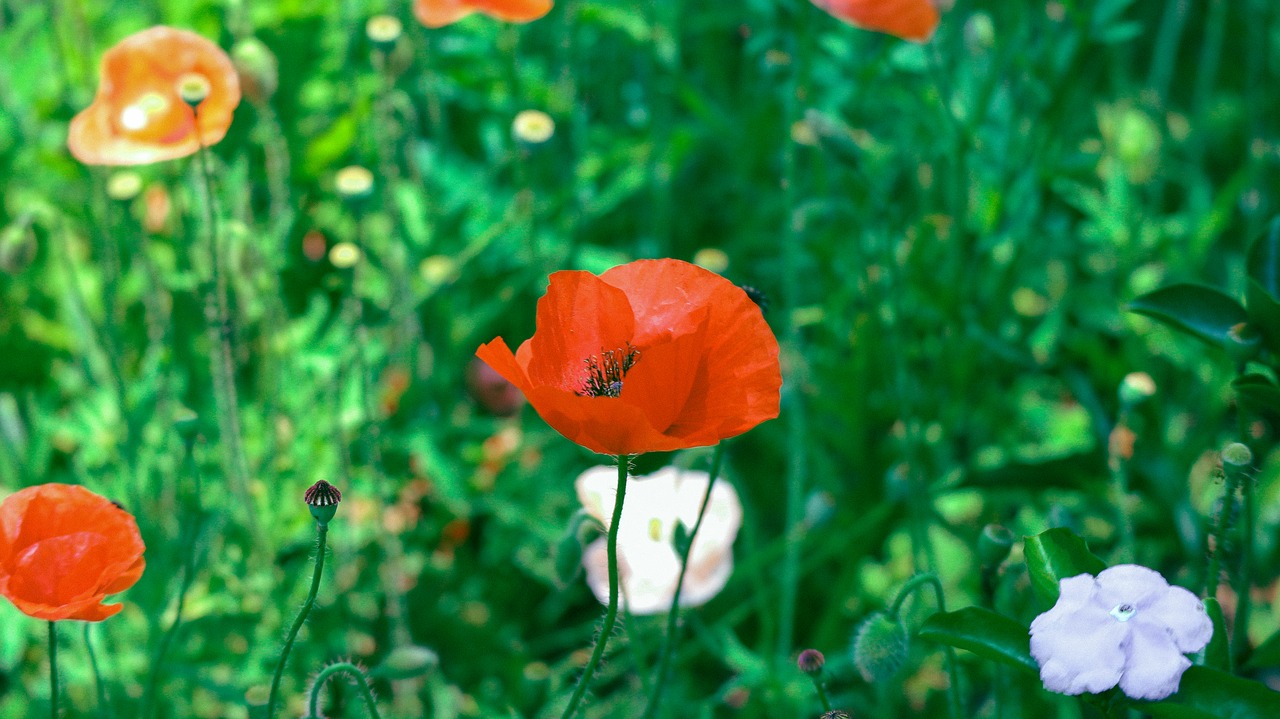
{"x": 322, "y": 532}
{"x": 953, "y": 684}
{"x": 669, "y": 644}
{"x": 611, "y": 612}
{"x": 343, "y": 667}
{"x": 53, "y": 670}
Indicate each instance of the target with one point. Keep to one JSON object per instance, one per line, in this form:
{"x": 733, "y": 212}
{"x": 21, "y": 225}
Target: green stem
{"x": 822, "y": 694}
{"x": 1231, "y": 483}
{"x": 1120, "y": 496}
{"x": 322, "y": 531}
{"x": 187, "y": 540}
{"x": 1244, "y": 577}
{"x": 93, "y": 666}
{"x": 916, "y": 582}
{"x": 611, "y": 612}
{"x": 673, "y": 615}
{"x": 343, "y": 667}
{"x": 53, "y": 670}
{"x": 218, "y": 321}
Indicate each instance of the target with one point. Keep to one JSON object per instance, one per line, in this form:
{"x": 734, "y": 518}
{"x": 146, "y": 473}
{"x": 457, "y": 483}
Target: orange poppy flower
{"x": 438, "y": 13}
{"x": 63, "y": 549}
{"x": 651, "y": 356}
{"x": 908, "y": 19}
{"x": 139, "y": 117}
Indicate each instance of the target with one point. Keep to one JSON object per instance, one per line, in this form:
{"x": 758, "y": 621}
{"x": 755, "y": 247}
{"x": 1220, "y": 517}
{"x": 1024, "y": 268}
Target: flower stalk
{"x": 53, "y": 670}
{"x": 673, "y": 615}
{"x": 953, "y": 677}
{"x": 361, "y": 683}
{"x": 611, "y": 612}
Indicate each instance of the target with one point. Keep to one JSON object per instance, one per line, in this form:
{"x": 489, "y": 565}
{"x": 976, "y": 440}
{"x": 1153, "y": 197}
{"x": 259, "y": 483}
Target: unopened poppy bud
{"x": 1136, "y": 387}
{"x": 532, "y": 127}
{"x": 353, "y": 183}
{"x": 1237, "y": 454}
{"x": 835, "y": 714}
{"x": 193, "y": 88}
{"x": 879, "y": 647}
{"x": 1243, "y": 342}
{"x": 322, "y": 499}
{"x": 811, "y": 662}
{"x": 383, "y": 31}
{"x": 994, "y": 545}
{"x": 407, "y": 662}
{"x": 124, "y": 185}
{"x": 257, "y": 67}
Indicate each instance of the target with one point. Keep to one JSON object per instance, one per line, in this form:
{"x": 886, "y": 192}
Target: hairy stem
{"x": 322, "y": 532}
{"x": 361, "y": 682}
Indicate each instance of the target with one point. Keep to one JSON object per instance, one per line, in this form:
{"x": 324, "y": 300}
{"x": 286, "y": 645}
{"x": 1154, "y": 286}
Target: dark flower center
{"x": 604, "y": 372}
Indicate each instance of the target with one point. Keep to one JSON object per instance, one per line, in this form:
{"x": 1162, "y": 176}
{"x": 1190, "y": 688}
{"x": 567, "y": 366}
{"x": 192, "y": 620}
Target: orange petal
{"x": 908, "y": 19}
{"x": 607, "y": 425}
{"x": 438, "y": 13}
{"x": 579, "y": 317}
{"x": 513, "y": 10}
{"x": 664, "y": 375}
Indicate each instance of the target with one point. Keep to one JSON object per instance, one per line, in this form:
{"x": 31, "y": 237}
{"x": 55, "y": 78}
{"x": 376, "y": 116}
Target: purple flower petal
{"x": 1155, "y": 665}
{"x": 1182, "y": 615}
{"x": 1080, "y": 651}
{"x": 1129, "y": 584}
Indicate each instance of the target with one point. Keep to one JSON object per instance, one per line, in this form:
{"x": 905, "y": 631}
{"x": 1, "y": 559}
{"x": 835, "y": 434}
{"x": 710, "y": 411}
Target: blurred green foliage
{"x": 949, "y": 235}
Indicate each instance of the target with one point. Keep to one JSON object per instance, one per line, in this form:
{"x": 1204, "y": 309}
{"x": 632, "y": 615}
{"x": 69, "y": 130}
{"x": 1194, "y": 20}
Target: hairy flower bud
{"x": 879, "y": 647}
{"x": 811, "y": 662}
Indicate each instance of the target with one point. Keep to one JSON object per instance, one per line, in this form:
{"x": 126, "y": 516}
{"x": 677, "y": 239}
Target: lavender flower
{"x": 1126, "y": 627}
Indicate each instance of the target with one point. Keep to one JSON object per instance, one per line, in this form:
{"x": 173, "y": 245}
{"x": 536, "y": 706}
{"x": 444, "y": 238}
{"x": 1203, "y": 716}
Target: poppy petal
{"x": 913, "y": 20}
{"x": 664, "y": 375}
{"x": 580, "y": 316}
{"x": 513, "y": 10}
{"x": 607, "y": 425}
{"x": 439, "y": 13}
{"x": 498, "y": 356}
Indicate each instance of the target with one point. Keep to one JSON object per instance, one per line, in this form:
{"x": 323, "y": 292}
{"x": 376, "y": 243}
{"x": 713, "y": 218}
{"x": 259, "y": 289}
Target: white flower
{"x": 648, "y": 566}
{"x": 1126, "y": 627}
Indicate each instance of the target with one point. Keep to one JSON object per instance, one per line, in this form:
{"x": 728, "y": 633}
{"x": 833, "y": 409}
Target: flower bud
{"x": 322, "y": 499}
{"x": 193, "y": 88}
{"x": 532, "y": 127}
{"x": 994, "y": 545}
{"x": 258, "y": 69}
{"x": 811, "y": 662}
{"x": 353, "y": 183}
{"x": 187, "y": 424}
{"x": 383, "y": 31}
{"x": 1136, "y": 387}
{"x": 407, "y": 662}
{"x": 835, "y": 714}
{"x": 492, "y": 391}
{"x": 124, "y": 185}
{"x": 1237, "y": 454}
{"x": 879, "y": 647}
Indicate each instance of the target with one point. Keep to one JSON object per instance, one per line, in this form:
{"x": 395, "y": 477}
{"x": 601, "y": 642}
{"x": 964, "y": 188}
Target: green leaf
{"x": 1217, "y": 654}
{"x": 1264, "y": 259}
{"x": 1205, "y": 692}
{"x": 1264, "y": 313}
{"x": 1200, "y": 311}
{"x": 1055, "y": 555}
{"x": 1257, "y": 393}
{"x": 983, "y": 632}
{"x": 1266, "y": 655}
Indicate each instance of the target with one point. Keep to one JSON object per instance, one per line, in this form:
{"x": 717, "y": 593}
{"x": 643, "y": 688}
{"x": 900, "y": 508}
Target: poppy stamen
{"x": 606, "y": 371}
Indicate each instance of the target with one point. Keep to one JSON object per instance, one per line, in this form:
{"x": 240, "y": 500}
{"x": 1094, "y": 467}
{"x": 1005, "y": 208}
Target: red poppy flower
{"x": 438, "y": 13}
{"x": 139, "y": 117}
{"x": 63, "y": 549}
{"x": 651, "y": 356}
{"x": 908, "y": 19}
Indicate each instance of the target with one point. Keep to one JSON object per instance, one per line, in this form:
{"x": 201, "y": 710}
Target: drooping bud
{"x": 532, "y": 127}
{"x": 258, "y": 69}
{"x": 994, "y": 545}
{"x": 322, "y": 499}
{"x": 1237, "y": 454}
{"x": 811, "y": 662}
{"x": 879, "y": 647}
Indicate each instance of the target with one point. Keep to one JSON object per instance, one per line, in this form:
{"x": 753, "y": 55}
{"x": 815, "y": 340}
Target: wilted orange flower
{"x": 438, "y": 13}
{"x": 63, "y": 549}
{"x": 907, "y": 19}
{"x": 139, "y": 117}
{"x": 651, "y": 356}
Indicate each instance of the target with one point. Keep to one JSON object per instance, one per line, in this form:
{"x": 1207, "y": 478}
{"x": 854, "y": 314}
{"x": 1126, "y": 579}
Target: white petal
{"x": 1081, "y": 653}
{"x": 1074, "y": 593}
{"x": 1181, "y": 614}
{"x": 1129, "y": 584}
{"x": 704, "y": 581}
{"x": 597, "y": 487}
{"x": 1154, "y": 666}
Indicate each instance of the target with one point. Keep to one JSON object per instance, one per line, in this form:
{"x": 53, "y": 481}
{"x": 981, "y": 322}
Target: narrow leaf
{"x": 1264, "y": 259}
